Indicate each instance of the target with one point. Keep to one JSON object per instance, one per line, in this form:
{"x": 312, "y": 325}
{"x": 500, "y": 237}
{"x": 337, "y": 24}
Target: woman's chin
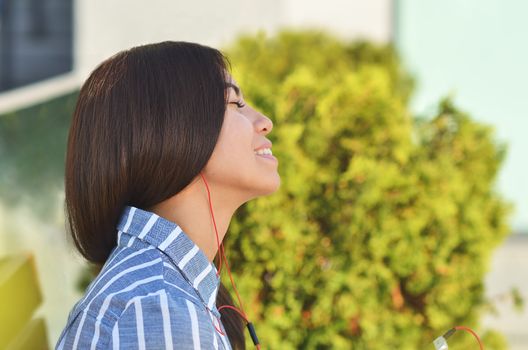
{"x": 273, "y": 185}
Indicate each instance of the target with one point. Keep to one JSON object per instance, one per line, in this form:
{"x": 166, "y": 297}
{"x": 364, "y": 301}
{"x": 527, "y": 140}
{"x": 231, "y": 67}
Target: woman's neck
{"x": 190, "y": 210}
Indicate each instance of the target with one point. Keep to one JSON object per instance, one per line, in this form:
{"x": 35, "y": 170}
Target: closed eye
{"x": 239, "y": 104}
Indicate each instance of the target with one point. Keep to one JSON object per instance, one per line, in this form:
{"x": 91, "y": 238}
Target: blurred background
{"x": 474, "y": 52}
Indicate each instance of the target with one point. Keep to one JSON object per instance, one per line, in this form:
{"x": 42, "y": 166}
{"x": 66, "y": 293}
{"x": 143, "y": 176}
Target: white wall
{"x": 350, "y": 19}
{"x": 105, "y": 27}
{"x": 477, "y": 50}
{"x": 508, "y": 270}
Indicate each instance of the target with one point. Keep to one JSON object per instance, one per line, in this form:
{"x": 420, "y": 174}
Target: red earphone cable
{"x": 220, "y": 251}
{"x": 234, "y": 287}
{"x": 223, "y": 259}
{"x": 467, "y": 329}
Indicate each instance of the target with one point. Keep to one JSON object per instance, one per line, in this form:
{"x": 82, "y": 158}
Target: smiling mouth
{"x": 264, "y": 151}
{"x": 268, "y": 156}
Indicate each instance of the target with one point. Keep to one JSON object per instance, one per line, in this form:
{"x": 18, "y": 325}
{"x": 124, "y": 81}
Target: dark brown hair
{"x": 145, "y": 124}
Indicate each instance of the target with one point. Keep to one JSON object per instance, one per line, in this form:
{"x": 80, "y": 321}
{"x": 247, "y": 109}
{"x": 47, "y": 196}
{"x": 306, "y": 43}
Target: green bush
{"x": 32, "y": 151}
{"x": 381, "y": 232}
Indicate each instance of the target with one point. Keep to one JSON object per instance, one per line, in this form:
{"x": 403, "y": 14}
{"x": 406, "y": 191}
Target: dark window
{"x": 35, "y": 40}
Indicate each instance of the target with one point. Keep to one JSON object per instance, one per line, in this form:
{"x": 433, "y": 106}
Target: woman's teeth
{"x": 264, "y": 151}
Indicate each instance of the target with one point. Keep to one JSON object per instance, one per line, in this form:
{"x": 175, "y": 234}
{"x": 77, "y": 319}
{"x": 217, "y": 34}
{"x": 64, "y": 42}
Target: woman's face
{"x": 234, "y": 165}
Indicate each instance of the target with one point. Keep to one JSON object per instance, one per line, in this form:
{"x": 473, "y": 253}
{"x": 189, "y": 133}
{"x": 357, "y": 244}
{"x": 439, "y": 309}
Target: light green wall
{"x": 478, "y": 51}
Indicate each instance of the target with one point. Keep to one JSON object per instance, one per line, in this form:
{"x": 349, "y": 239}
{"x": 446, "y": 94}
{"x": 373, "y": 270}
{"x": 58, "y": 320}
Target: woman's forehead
{"x": 231, "y": 84}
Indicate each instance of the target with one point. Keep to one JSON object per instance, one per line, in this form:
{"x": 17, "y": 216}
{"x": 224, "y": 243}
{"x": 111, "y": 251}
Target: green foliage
{"x": 32, "y": 151}
{"x": 381, "y": 232}
{"x": 518, "y": 301}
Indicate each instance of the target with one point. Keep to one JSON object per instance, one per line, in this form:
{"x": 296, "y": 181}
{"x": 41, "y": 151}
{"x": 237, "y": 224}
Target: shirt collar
{"x": 168, "y": 237}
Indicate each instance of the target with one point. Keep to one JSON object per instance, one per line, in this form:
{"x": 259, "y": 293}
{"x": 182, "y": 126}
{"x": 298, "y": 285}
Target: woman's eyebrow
{"x": 236, "y": 88}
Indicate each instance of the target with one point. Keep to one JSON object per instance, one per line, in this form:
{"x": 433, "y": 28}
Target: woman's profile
{"x": 162, "y": 150}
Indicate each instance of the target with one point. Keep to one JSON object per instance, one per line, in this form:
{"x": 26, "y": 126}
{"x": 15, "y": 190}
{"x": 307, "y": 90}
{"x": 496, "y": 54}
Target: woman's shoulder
{"x": 161, "y": 320}
{"x": 132, "y": 274}
{"x": 135, "y": 290}
{"x": 155, "y": 319}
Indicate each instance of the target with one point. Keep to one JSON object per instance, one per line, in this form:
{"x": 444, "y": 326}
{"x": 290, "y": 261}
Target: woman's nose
{"x": 264, "y": 123}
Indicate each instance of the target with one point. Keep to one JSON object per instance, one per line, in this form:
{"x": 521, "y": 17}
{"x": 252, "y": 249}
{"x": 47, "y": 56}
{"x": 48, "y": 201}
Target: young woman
{"x": 161, "y": 152}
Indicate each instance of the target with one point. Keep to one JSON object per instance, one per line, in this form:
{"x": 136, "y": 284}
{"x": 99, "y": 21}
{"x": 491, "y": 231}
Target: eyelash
{"x": 239, "y": 104}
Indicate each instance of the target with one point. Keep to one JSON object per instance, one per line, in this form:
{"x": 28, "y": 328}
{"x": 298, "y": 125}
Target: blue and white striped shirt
{"x": 157, "y": 290}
